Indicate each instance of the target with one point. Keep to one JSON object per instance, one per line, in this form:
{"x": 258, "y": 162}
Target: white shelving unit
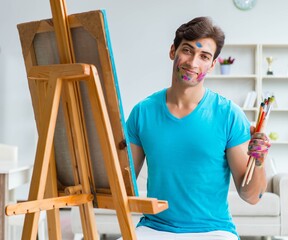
{"x": 249, "y": 73}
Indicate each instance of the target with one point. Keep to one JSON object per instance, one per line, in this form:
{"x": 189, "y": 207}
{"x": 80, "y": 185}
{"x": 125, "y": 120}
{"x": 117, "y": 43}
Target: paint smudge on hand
{"x": 260, "y": 195}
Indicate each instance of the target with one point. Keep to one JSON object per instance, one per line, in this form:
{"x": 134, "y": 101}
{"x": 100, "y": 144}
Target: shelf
{"x": 279, "y": 109}
{"x": 219, "y": 76}
{"x": 280, "y": 62}
{"x": 268, "y": 45}
{"x": 276, "y": 84}
{"x": 250, "y": 109}
{"x": 268, "y": 77}
{"x": 248, "y": 74}
{"x": 279, "y": 142}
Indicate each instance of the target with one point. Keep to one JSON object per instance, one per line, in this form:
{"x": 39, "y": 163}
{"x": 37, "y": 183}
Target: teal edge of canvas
{"x": 131, "y": 164}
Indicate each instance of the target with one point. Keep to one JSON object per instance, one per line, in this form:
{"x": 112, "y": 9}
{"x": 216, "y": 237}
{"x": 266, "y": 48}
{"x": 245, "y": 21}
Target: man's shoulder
{"x": 218, "y": 99}
{"x": 156, "y": 97}
{"x": 222, "y": 103}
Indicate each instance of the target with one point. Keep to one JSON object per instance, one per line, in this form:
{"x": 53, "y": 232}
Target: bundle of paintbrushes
{"x": 264, "y": 111}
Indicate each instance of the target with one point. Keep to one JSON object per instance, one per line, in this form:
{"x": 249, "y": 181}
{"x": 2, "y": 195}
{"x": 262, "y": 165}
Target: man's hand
{"x": 258, "y": 146}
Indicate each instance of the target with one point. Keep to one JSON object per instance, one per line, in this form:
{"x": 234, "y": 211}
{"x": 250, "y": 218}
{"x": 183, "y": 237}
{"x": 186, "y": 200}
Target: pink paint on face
{"x": 183, "y": 76}
{"x": 186, "y": 78}
{"x": 201, "y": 76}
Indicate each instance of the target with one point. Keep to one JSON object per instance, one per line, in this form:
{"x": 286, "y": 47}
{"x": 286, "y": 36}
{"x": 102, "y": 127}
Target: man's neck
{"x": 185, "y": 97}
{"x": 181, "y": 102}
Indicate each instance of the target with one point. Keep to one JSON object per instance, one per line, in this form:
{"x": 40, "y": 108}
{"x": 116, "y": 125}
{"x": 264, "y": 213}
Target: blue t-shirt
{"x": 186, "y": 160}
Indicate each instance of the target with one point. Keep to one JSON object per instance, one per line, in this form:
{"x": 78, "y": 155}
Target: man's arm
{"x": 138, "y": 157}
{"x": 238, "y": 157}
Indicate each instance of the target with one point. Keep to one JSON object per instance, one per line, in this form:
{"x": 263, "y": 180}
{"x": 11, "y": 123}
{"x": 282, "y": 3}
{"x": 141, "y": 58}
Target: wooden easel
{"x": 58, "y": 89}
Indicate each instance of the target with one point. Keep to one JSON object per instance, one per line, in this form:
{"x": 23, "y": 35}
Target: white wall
{"x": 141, "y": 32}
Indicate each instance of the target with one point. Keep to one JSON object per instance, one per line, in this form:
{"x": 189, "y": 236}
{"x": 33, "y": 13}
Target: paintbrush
{"x": 263, "y": 115}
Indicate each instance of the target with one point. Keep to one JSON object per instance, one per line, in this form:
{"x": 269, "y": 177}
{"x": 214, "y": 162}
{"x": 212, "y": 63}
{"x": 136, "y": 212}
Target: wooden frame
{"x": 74, "y": 102}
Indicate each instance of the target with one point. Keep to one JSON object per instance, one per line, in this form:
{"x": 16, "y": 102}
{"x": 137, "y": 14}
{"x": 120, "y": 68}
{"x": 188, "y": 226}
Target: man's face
{"x": 193, "y": 60}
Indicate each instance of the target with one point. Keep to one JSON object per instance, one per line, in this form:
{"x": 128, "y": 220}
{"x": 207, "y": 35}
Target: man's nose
{"x": 193, "y": 61}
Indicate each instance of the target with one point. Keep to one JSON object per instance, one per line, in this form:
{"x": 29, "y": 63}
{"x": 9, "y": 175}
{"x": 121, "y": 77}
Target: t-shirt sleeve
{"x": 238, "y": 127}
{"x": 132, "y": 124}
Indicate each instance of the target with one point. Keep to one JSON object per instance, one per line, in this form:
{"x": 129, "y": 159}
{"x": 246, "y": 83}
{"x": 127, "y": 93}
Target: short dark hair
{"x": 200, "y": 27}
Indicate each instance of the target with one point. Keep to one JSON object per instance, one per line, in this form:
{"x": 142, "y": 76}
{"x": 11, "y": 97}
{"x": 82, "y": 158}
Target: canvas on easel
{"x": 86, "y": 30}
{"x": 83, "y": 156}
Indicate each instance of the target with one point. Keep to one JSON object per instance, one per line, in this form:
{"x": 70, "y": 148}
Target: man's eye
{"x": 204, "y": 57}
{"x": 186, "y": 50}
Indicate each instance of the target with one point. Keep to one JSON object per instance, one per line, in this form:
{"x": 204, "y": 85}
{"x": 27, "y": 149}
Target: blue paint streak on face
{"x": 198, "y": 44}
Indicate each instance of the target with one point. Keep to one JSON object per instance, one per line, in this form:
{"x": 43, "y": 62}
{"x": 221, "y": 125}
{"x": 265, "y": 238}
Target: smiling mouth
{"x": 189, "y": 71}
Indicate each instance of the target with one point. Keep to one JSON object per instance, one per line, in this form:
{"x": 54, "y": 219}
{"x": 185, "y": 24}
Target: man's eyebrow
{"x": 191, "y": 46}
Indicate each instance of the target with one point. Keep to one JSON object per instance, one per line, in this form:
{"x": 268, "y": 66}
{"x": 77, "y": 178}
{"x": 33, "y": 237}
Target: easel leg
{"x": 43, "y": 154}
{"x": 111, "y": 160}
{"x": 53, "y": 216}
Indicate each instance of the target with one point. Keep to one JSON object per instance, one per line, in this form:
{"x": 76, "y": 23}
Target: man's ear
{"x": 212, "y": 66}
{"x": 172, "y": 52}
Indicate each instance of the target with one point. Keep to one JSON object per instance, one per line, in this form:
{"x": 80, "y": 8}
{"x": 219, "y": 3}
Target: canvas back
{"x": 91, "y": 45}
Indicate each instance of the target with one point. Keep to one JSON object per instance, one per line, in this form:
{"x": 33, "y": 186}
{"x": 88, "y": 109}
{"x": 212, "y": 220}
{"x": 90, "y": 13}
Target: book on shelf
{"x": 250, "y": 99}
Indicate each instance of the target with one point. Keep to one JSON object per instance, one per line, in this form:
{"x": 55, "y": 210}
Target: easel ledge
{"x": 136, "y": 204}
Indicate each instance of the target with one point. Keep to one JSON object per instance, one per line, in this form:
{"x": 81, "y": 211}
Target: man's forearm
{"x": 253, "y": 192}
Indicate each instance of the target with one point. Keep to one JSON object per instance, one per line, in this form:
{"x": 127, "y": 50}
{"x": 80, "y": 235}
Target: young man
{"x": 193, "y": 139}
